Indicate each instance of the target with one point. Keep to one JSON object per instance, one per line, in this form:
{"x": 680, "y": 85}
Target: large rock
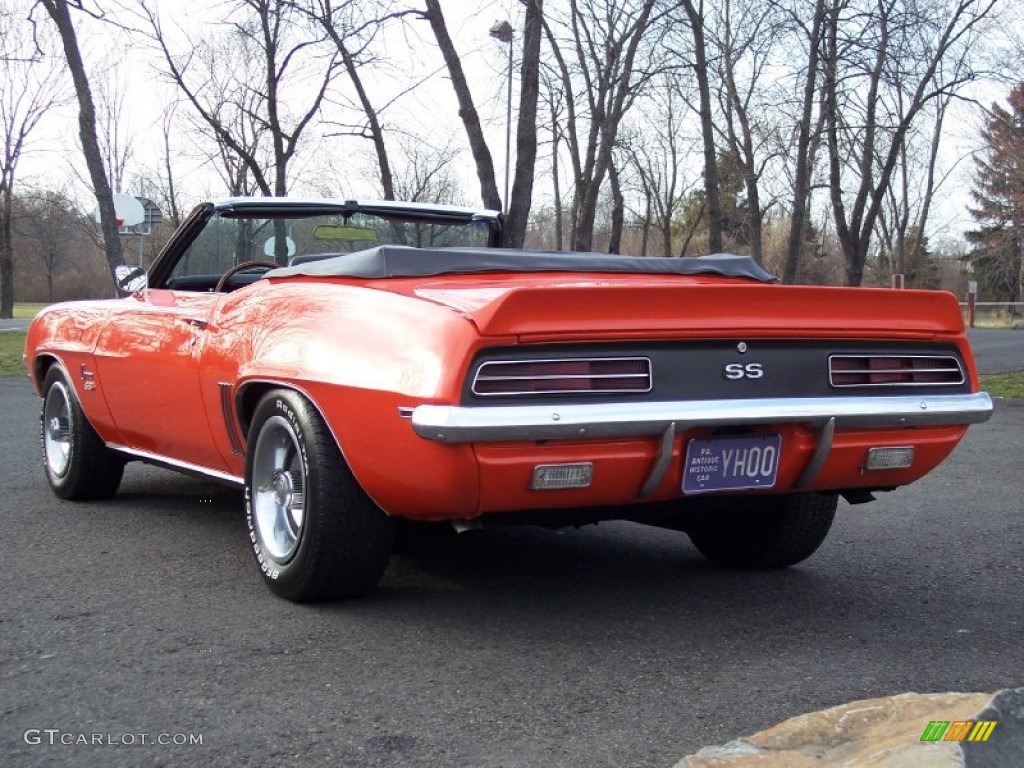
{"x": 883, "y": 733}
{"x": 1006, "y": 745}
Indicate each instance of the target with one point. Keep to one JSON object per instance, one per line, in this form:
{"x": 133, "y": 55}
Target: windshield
{"x": 226, "y": 241}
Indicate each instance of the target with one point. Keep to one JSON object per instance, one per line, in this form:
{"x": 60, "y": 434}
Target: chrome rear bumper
{"x": 465, "y": 424}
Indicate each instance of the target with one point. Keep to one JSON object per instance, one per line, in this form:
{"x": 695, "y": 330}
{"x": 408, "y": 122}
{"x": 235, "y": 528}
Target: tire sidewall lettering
{"x": 262, "y": 559}
{"x": 289, "y": 414}
{"x": 267, "y": 565}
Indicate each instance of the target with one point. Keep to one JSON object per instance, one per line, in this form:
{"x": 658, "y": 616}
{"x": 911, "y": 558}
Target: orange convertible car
{"x": 354, "y": 364}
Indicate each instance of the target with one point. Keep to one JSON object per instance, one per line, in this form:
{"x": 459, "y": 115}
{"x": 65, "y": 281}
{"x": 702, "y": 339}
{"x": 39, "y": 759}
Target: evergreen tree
{"x": 997, "y": 253}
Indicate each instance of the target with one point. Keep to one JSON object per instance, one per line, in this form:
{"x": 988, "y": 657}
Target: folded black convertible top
{"x": 405, "y": 261}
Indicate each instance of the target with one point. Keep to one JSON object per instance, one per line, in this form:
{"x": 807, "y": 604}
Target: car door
{"x": 147, "y": 360}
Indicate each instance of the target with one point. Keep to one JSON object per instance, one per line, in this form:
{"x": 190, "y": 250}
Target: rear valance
{"x": 404, "y": 261}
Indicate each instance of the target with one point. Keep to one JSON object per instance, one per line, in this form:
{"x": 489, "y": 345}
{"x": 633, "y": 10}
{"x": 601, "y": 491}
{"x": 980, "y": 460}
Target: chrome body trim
{"x": 285, "y": 204}
{"x": 181, "y": 466}
{"x": 821, "y": 452}
{"x": 661, "y": 462}
{"x": 463, "y": 424}
{"x": 228, "y": 412}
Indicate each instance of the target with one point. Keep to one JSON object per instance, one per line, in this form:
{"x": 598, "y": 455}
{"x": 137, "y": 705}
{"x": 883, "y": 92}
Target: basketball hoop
{"x": 128, "y": 212}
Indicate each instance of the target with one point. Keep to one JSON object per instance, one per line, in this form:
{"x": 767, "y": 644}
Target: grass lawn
{"x": 27, "y": 311}
{"x": 12, "y": 344}
{"x": 1004, "y": 384}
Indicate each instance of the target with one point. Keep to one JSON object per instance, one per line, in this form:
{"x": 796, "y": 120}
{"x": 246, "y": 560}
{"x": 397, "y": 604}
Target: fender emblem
{"x": 88, "y": 379}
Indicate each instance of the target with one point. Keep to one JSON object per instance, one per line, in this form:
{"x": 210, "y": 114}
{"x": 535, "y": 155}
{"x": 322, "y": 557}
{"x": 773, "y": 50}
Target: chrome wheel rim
{"x": 57, "y": 429}
{"x": 278, "y": 489}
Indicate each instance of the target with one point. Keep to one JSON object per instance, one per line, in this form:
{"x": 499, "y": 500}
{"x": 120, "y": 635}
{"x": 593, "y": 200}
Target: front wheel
{"x": 314, "y": 532}
{"x": 78, "y": 464}
{"x": 766, "y": 532}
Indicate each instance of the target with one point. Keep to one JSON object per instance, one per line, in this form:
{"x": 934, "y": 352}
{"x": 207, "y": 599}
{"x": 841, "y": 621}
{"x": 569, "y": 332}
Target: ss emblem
{"x": 741, "y": 371}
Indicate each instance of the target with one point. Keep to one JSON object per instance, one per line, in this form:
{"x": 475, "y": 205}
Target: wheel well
{"x": 251, "y": 393}
{"x": 249, "y": 398}
{"x": 40, "y": 367}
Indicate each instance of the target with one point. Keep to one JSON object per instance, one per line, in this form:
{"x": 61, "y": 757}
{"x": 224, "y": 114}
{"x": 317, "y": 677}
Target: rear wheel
{"x": 78, "y": 463}
{"x": 766, "y": 533}
{"x": 314, "y": 532}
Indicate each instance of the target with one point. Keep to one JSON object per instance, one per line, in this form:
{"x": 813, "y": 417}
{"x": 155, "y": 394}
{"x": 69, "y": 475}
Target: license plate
{"x": 731, "y": 463}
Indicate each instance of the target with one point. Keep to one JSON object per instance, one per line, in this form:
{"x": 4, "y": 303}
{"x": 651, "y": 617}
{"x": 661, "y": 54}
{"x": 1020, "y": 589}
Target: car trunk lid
{"x": 693, "y": 307}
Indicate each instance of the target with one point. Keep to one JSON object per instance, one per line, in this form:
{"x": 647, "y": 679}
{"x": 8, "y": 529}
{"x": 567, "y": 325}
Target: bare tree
{"x": 902, "y": 220}
{"x": 883, "y": 66}
{"x": 426, "y": 174}
{"x": 117, "y": 146}
{"x": 521, "y": 197}
{"x": 168, "y": 188}
{"x": 249, "y": 107}
{"x": 30, "y": 86}
{"x": 614, "y": 51}
{"x": 555, "y": 104}
{"x": 808, "y": 32}
{"x": 57, "y": 257}
{"x": 467, "y": 109}
{"x": 59, "y": 12}
{"x": 47, "y": 224}
{"x": 352, "y": 25}
{"x": 695, "y": 15}
{"x": 745, "y": 38}
{"x": 658, "y": 154}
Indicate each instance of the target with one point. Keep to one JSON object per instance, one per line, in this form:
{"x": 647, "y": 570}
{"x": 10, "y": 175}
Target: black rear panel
{"x": 723, "y": 370}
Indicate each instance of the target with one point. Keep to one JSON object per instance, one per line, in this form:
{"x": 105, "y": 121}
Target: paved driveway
{"x": 611, "y": 646}
{"x": 996, "y": 350}
{"x": 17, "y": 324}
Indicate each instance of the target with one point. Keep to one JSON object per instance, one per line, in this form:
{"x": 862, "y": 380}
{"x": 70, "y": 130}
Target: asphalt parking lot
{"x": 997, "y": 350}
{"x": 143, "y": 617}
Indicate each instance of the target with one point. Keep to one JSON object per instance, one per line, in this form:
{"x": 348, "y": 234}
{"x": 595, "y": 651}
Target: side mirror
{"x": 130, "y": 279}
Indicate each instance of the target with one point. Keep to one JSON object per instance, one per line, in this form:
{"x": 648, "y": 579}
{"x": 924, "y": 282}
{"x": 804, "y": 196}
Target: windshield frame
{"x": 160, "y": 272}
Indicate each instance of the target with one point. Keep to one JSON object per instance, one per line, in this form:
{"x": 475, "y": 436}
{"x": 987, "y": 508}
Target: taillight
{"x": 565, "y": 376}
{"x": 894, "y": 370}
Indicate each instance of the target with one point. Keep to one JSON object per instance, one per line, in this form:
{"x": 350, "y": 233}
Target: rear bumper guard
{"x": 467, "y": 424}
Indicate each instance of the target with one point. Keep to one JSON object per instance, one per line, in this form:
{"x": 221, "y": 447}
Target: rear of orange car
{"x": 605, "y": 390}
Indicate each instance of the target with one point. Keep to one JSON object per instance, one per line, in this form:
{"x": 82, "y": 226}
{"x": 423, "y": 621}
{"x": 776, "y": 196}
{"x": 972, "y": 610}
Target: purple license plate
{"x": 731, "y": 463}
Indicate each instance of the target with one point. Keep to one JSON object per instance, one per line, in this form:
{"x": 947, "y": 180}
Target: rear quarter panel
{"x": 360, "y": 354}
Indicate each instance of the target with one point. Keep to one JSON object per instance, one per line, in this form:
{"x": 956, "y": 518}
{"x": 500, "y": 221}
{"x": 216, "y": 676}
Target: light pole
{"x": 502, "y": 30}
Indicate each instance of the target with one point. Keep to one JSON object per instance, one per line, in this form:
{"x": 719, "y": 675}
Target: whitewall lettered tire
{"x": 78, "y": 464}
{"x": 314, "y": 533}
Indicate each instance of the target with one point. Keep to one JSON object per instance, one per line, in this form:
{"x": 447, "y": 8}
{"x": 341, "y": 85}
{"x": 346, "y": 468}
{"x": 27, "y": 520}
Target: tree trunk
{"x": 6, "y": 254}
{"x": 526, "y": 130}
{"x": 714, "y": 206}
{"x": 467, "y": 111}
{"x": 618, "y": 211}
{"x": 58, "y": 11}
{"x": 584, "y": 240}
{"x": 559, "y": 215}
{"x": 387, "y": 183}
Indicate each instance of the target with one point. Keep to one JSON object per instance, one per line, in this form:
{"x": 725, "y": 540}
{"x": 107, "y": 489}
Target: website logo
{"x": 958, "y": 730}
